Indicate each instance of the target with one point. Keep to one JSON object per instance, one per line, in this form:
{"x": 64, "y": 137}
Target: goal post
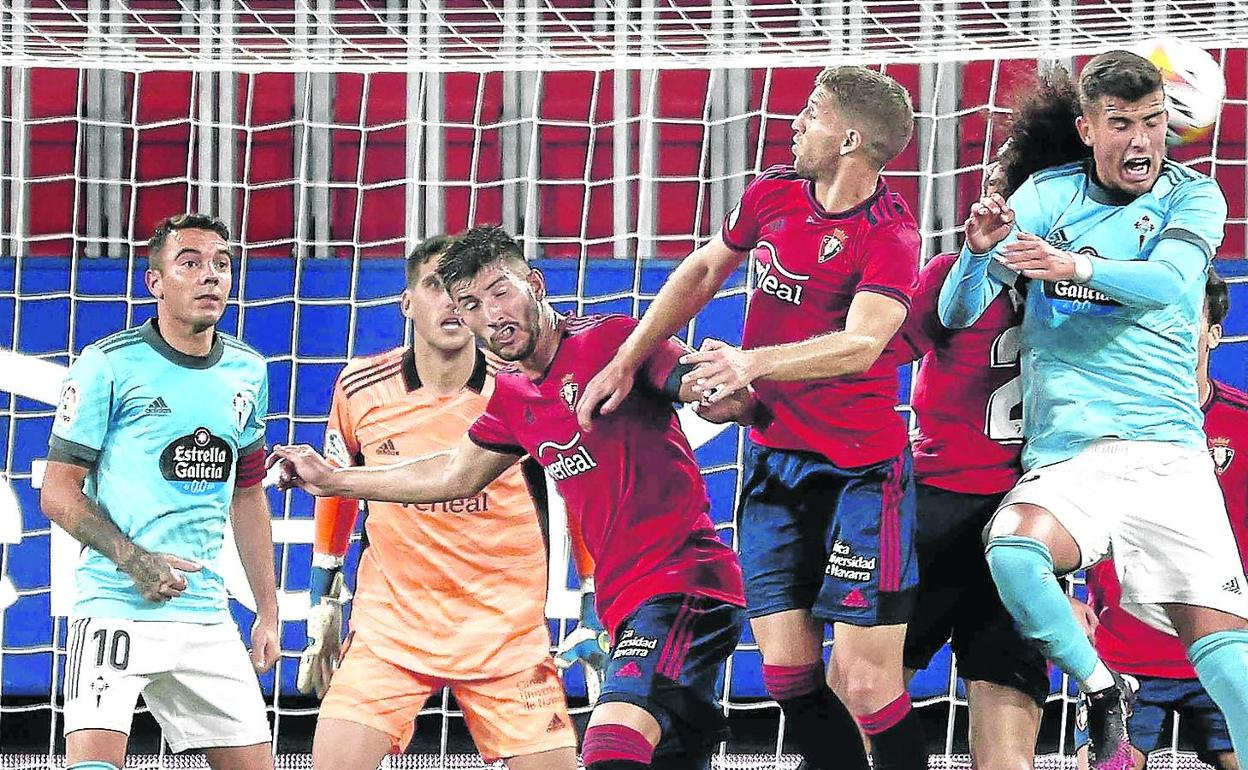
{"x": 332, "y": 135}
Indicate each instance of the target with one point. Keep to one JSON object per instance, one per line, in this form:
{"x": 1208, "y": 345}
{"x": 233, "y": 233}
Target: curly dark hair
{"x": 1217, "y": 297}
{"x": 170, "y": 225}
{"x": 1042, "y": 132}
{"x": 475, "y": 249}
{"x": 427, "y": 249}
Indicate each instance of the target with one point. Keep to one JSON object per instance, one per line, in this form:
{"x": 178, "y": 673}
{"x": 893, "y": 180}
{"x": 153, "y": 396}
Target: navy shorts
{"x": 1201, "y": 724}
{"x": 668, "y": 659}
{"x": 838, "y": 542}
{"x": 958, "y": 602}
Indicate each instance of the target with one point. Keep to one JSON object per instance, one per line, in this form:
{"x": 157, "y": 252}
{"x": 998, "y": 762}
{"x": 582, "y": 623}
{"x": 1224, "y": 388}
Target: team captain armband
{"x": 250, "y": 469}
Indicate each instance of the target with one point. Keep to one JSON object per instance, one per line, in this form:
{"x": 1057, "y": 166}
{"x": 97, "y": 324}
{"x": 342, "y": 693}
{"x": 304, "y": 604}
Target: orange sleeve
{"x": 580, "y": 554}
{"x": 335, "y": 517}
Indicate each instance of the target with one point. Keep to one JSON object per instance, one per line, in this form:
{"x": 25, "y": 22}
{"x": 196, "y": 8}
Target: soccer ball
{"x": 1194, "y": 87}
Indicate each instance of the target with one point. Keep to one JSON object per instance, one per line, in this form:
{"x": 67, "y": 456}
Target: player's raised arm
{"x": 687, "y": 290}
{"x": 462, "y": 472}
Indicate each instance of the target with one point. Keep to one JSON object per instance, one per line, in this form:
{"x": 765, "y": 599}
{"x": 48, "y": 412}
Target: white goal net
{"x": 332, "y": 135}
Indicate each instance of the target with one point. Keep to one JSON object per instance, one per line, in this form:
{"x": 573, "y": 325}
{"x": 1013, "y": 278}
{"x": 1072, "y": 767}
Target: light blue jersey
{"x": 162, "y": 433}
{"x": 1115, "y": 357}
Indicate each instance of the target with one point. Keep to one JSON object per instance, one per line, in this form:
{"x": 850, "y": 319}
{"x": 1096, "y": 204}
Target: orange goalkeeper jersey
{"x": 454, "y": 589}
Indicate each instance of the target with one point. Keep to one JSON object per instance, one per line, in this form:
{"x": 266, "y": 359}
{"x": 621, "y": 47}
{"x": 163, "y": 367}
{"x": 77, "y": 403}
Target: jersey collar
{"x": 476, "y": 380}
{"x": 1105, "y": 195}
{"x": 150, "y": 332}
{"x": 809, "y": 187}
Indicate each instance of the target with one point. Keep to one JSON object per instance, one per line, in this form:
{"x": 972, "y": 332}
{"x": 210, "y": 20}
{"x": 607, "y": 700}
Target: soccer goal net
{"x": 332, "y": 135}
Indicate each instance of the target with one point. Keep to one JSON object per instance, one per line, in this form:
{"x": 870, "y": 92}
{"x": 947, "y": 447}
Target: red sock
{"x": 604, "y": 743}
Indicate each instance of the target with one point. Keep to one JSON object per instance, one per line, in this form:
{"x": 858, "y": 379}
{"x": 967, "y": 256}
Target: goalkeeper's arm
{"x": 335, "y": 519}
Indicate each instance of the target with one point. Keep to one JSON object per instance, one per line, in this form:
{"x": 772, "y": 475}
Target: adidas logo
{"x": 1232, "y": 585}
{"x": 555, "y": 724}
{"x": 158, "y": 406}
{"x": 856, "y": 600}
{"x": 387, "y": 448}
{"x": 630, "y": 670}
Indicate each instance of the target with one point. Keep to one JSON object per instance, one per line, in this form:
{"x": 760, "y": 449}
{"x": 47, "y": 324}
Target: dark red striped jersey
{"x": 810, "y": 264}
{"x": 968, "y": 393}
{"x": 1125, "y": 643}
{"x": 632, "y": 483}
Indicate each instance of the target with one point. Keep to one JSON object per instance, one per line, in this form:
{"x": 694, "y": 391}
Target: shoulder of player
{"x": 118, "y": 341}
{"x": 1225, "y": 395}
{"x": 1067, "y": 171}
{"x": 776, "y": 180}
{"x": 1187, "y": 181}
{"x": 363, "y": 372}
{"x": 238, "y": 348}
{"x": 936, "y": 268}
{"x": 599, "y": 322}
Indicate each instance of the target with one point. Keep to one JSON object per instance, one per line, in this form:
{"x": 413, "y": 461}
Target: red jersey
{"x": 968, "y": 394}
{"x": 1124, "y": 642}
{"x": 810, "y": 265}
{"x": 632, "y": 484}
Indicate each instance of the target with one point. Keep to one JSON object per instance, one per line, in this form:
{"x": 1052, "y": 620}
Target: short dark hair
{"x": 881, "y": 104}
{"x": 476, "y": 249}
{"x": 424, "y": 251}
{"x": 1217, "y": 297}
{"x": 1121, "y": 74}
{"x": 1042, "y": 130}
{"x": 189, "y": 221}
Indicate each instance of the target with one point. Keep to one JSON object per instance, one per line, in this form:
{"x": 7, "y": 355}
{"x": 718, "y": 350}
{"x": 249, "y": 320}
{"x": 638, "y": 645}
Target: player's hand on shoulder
{"x": 1034, "y": 257}
{"x": 324, "y": 647}
{"x": 719, "y": 370}
{"x": 158, "y": 576}
{"x": 605, "y": 391}
{"x": 301, "y": 467}
{"x": 989, "y": 222}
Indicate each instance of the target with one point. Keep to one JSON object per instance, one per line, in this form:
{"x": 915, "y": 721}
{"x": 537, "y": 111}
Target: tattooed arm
{"x": 156, "y": 575}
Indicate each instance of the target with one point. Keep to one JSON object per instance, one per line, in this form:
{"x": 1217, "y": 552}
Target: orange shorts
{"x": 510, "y": 716}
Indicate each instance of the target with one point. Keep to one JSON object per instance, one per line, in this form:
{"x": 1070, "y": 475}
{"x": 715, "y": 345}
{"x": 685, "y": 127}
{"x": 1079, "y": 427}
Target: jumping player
{"x": 1115, "y": 249}
{"x": 827, "y": 512}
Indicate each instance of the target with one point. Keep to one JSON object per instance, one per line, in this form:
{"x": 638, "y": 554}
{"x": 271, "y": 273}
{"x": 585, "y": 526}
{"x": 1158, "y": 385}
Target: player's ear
{"x": 1084, "y": 127}
{"x": 537, "y": 281}
{"x": 152, "y": 278}
{"x": 405, "y": 303}
{"x": 851, "y": 141}
{"x": 1214, "y": 335}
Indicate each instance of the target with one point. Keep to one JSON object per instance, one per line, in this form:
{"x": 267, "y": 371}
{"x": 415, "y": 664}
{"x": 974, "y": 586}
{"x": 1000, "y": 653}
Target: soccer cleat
{"x": 1109, "y": 746}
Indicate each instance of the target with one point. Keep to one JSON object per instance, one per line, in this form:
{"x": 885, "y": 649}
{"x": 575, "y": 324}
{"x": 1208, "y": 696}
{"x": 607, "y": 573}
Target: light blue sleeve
{"x": 976, "y": 279}
{"x": 252, "y": 436}
{"x": 1195, "y": 219}
{"x": 1197, "y": 215}
{"x": 85, "y": 410}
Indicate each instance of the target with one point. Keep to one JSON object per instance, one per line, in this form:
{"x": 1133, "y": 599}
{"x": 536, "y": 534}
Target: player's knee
{"x": 865, "y": 687}
{"x": 615, "y": 747}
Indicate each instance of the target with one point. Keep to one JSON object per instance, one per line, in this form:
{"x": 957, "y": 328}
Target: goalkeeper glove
{"x": 588, "y": 645}
{"x": 327, "y": 593}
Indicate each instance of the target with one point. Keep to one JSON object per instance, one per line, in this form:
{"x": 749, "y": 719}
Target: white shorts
{"x": 196, "y": 679}
{"x": 1157, "y": 509}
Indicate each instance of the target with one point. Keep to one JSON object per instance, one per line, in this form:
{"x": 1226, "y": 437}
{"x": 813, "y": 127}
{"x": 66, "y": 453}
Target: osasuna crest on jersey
{"x": 1223, "y": 454}
{"x": 568, "y": 391}
{"x": 243, "y": 404}
{"x": 832, "y": 245}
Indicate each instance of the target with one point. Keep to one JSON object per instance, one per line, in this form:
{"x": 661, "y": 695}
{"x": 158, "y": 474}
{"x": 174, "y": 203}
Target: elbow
{"x": 52, "y": 503}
